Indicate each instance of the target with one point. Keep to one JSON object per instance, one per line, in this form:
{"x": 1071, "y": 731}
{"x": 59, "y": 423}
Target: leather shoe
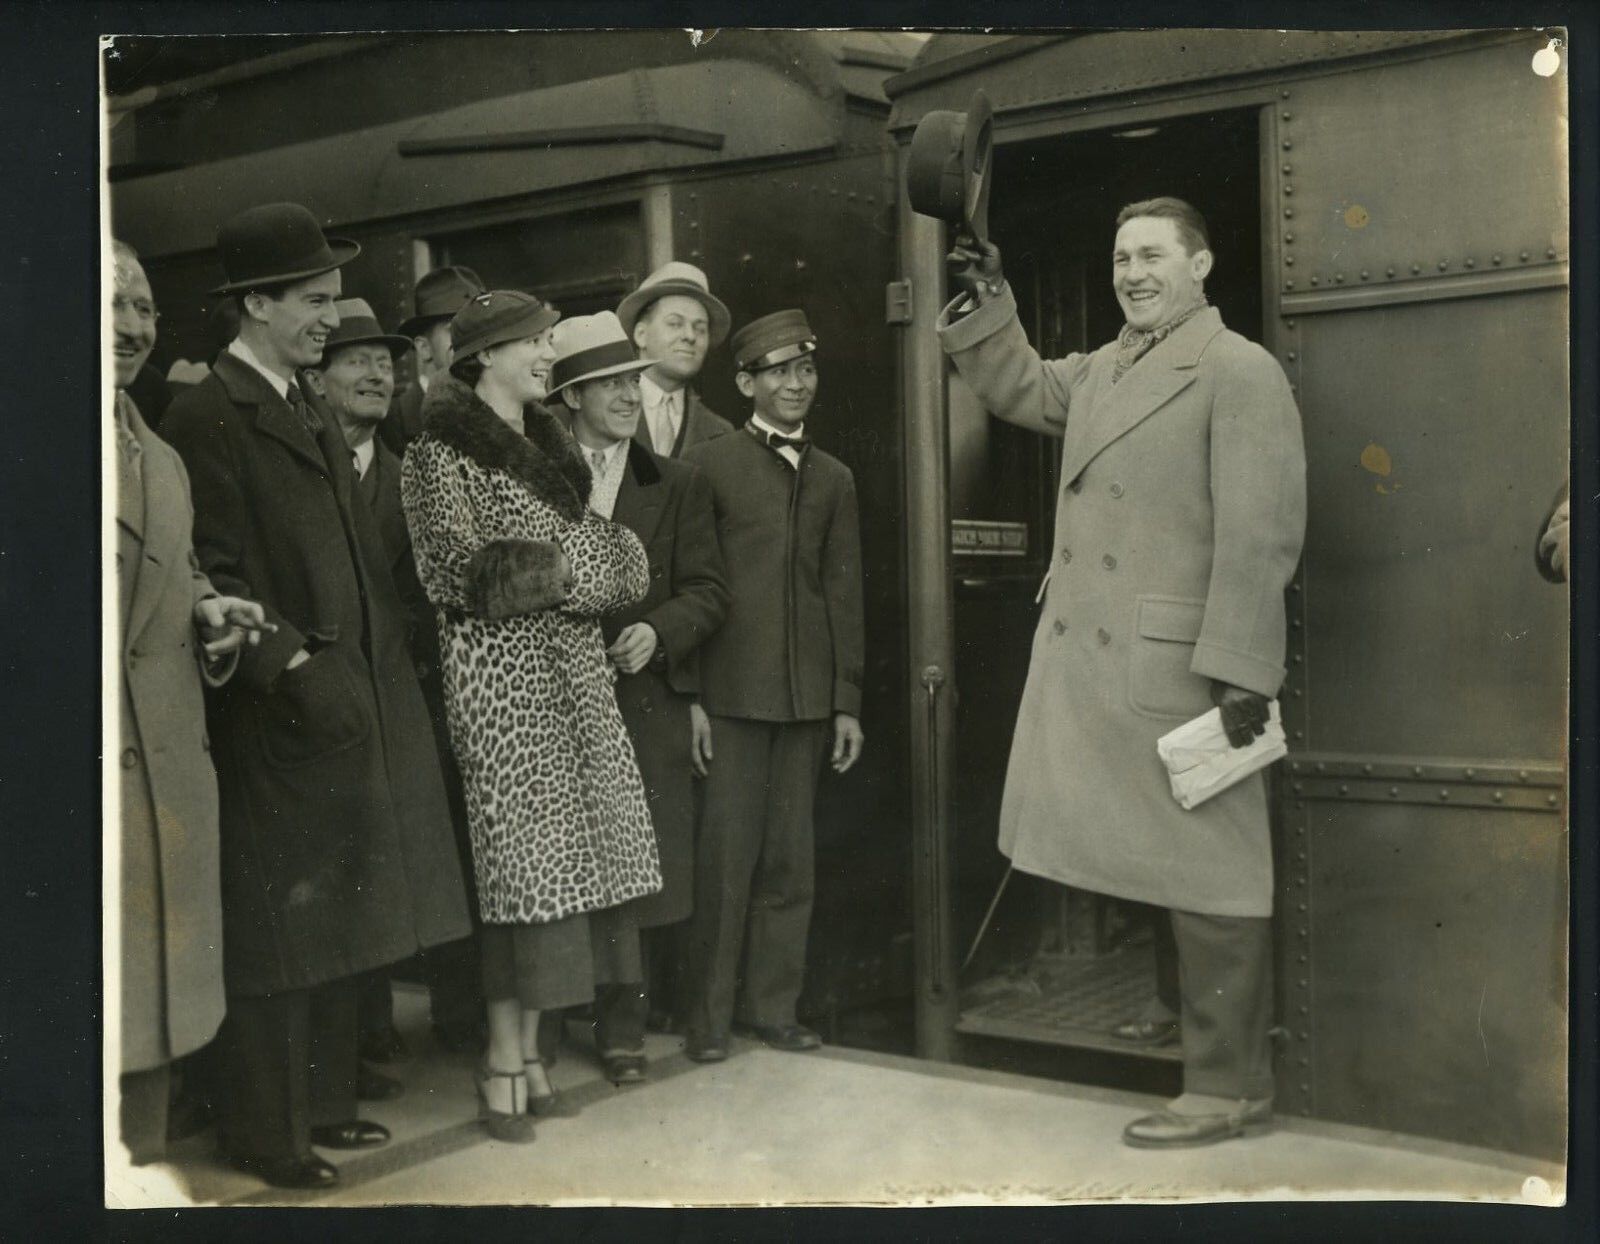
{"x": 1167, "y": 1129}
{"x": 706, "y": 1047}
{"x": 382, "y": 1045}
{"x": 355, "y": 1134}
{"x": 375, "y": 1086}
{"x": 790, "y": 1038}
{"x": 1151, "y": 1032}
{"x": 311, "y": 1172}
{"x": 624, "y": 1068}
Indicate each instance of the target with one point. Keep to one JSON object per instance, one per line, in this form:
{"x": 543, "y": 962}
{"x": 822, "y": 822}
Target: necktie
{"x": 661, "y": 426}
{"x": 303, "y": 412}
{"x": 597, "y": 462}
{"x": 778, "y": 441}
{"x": 127, "y": 443}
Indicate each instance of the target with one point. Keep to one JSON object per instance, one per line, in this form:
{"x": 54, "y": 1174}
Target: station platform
{"x": 835, "y": 1126}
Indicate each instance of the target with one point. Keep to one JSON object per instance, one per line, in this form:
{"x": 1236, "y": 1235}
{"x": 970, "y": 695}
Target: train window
{"x": 583, "y": 262}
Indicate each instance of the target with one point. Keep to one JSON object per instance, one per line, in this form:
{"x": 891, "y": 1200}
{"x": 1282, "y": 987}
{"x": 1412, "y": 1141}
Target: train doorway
{"x": 1039, "y": 963}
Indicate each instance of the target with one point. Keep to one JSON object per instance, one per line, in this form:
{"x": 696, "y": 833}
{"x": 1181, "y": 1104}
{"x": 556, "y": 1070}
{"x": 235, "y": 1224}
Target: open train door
{"x": 1407, "y": 205}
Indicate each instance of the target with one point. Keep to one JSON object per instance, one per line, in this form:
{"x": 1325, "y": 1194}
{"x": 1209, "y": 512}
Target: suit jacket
{"x": 667, "y": 505}
{"x": 170, "y": 913}
{"x": 336, "y": 850}
{"x": 792, "y": 647}
{"x": 700, "y": 424}
{"x": 1178, "y": 527}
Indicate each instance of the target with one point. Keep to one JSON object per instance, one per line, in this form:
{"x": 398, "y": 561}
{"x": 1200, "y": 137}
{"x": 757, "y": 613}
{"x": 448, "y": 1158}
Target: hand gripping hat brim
{"x": 498, "y": 316}
{"x": 676, "y": 278}
{"x": 773, "y": 340}
{"x": 948, "y": 169}
{"x": 589, "y": 347}
{"x": 276, "y": 244}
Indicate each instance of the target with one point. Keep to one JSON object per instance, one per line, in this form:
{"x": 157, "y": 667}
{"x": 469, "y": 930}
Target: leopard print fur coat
{"x": 556, "y": 809}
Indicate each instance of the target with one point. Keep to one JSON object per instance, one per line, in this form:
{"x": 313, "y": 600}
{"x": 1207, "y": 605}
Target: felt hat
{"x": 357, "y": 326}
{"x": 947, "y": 170}
{"x": 675, "y": 278}
{"x": 589, "y": 347}
{"x": 274, "y": 244}
{"x": 439, "y": 295}
{"x": 773, "y": 339}
{"x": 497, "y": 316}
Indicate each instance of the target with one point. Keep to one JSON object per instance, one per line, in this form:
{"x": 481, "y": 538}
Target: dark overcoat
{"x": 404, "y": 420}
{"x": 792, "y": 646}
{"x": 668, "y": 506}
{"x": 336, "y": 847}
{"x": 1178, "y": 527}
{"x": 171, "y": 903}
{"x": 700, "y": 424}
{"x": 498, "y": 519}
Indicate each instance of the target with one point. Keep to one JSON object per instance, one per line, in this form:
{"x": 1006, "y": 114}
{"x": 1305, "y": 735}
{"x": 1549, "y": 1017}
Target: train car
{"x": 1389, "y": 218}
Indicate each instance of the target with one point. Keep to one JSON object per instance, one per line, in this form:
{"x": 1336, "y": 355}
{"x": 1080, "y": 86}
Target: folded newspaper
{"x": 1201, "y": 763}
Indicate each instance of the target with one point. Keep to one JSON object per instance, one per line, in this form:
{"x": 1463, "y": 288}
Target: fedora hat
{"x": 589, "y": 347}
{"x": 947, "y": 171}
{"x": 675, "y": 278}
{"x": 274, "y": 244}
{"x": 497, "y": 316}
{"x": 439, "y": 295}
{"x": 773, "y": 339}
{"x": 357, "y": 326}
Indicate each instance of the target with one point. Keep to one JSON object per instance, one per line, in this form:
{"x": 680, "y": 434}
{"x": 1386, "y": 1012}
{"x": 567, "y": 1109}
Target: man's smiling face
{"x": 1155, "y": 276}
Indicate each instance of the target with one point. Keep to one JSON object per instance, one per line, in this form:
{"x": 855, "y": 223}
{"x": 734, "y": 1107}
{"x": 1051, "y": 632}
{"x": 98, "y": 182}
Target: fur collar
{"x": 546, "y": 461}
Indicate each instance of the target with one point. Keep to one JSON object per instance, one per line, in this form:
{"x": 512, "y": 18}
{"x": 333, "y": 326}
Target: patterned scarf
{"x": 1134, "y": 343}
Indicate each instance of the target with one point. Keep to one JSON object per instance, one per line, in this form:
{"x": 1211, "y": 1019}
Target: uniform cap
{"x": 773, "y": 339}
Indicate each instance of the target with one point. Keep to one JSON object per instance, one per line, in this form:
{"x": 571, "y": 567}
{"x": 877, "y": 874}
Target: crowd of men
{"x": 278, "y": 651}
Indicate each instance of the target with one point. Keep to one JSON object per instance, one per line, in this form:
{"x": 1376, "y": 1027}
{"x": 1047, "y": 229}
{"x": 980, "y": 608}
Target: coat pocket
{"x": 1160, "y": 682}
{"x": 313, "y": 711}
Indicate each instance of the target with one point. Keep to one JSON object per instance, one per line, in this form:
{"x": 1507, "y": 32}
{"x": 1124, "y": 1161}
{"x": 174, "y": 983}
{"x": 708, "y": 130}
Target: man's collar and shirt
{"x": 788, "y": 444}
{"x": 663, "y": 414}
{"x": 288, "y": 390}
{"x": 1134, "y": 343}
{"x": 608, "y": 467}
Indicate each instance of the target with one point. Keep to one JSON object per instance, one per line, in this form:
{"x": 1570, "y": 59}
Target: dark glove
{"x": 1244, "y": 713}
{"x": 975, "y": 267}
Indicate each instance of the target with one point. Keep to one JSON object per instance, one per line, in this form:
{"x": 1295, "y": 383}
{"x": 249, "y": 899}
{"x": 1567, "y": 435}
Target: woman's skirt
{"x": 546, "y": 966}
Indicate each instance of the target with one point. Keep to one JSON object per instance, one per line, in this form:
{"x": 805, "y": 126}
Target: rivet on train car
{"x": 1287, "y": 145}
{"x": 1550, "y": 252}
{"x": 1286, "y": 116}
{"x": 1305, "y": 1088}
{"x": 1291, "y": 356}
{"x": 1365, "y": 275}
{"x": 1287, "y": 169}
{"x": 1300, "y": 807}
{"x": 1444, "y": 264}
{"x": 1522, "y": 775}
{"x": 1303, "y": 958}
{"x": 1288, "y": 239}
{"x": 1293, "y": 587}
{"x": 1415, "y": 268}
{"x": 1314, "y": 280}
{"x": 1301, "y": 856}
{"x": 1394, "y": 792}
{"x": 1305, "y": 1062}
{"x": 1288, "y": 213}
{"x": 1444, "y": 792}
{"x": 1321, "y": 767}
{"x": 1523, "y": 256}
{"x": 1304, "y": 984}
{"x": 1552, "y": 800}
{"x": 1295, "y": 622}
{"x": 1366, "y": 768}
{"x": 1301, "y": 906}
{"x": 1499, "y": 796}
{"x": 1469, "y": 772}
{"x": 799, "y": 265}
{"x": 1295, "y": 767}
{"x": 1496, "y": 260}
{"x": 1338, "y": 278}
{"x": 1288, "y": 285}
{"x": 1298, "y": 788}
{"x": 1388, "y": 271}
{"x": 1344, "y": 788}
{"x": 1416, "y": 770}
{"x": 1287, "y": 190}
{"x": 1298, "y": 734}
{"x": 1288, "y": 261}
{"x": 1298, "y": 659}
{"x": 1283, "y": 95}
{"x": 1305, "y": 1010}
{"x": 1471, "y": 263}
{"x": 1297, "y": 693}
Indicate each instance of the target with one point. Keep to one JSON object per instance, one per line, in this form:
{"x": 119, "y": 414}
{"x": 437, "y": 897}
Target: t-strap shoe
{"x": 549, "y": 1104}
{"x": 513, "y": 1125}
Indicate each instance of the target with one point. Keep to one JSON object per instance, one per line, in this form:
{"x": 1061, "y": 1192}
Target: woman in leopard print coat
{"x": 520, "y": 570}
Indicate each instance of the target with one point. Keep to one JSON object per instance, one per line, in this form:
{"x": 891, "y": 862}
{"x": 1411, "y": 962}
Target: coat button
{"x": 130, "y": 757}
{"x": 1059, "y": 627}
{"x": 1109, "y": 562}
{"x": 1103, "y": 635}
{"x": 1066, "y": 556}
{"x": 1116, "y": 490}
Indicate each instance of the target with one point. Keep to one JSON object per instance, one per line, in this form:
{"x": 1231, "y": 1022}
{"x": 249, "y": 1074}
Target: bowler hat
{"x": 439, "y": 295}
{"x": 500, "y": 315}
{"x": 773, "y": 340}
{"x": 947, "y": 171}
{"x": 357, "y": 326}
{"x": 589, "y": 347}
{"x": 274, "y": 244}
{"x": 675, "y": 278}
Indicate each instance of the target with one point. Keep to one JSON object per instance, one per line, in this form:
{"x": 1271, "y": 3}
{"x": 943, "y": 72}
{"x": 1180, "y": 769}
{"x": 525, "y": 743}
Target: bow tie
{"x": 777, "y": 440}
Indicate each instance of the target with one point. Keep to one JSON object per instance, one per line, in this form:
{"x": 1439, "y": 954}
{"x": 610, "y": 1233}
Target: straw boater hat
{"x": 498, "y": 316}
{"x": 357, "y": 326}
{"x": 589, "y": 347}
{"x": 275, "y": 244}
{"x": 675, "y": 278}
{"x": 773, "y": 340}
{"x": 439, "y": 295}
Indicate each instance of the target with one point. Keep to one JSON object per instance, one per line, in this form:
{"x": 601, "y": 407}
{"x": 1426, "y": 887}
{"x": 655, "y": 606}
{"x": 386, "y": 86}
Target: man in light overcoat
{"x": 1178, "y": 528}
